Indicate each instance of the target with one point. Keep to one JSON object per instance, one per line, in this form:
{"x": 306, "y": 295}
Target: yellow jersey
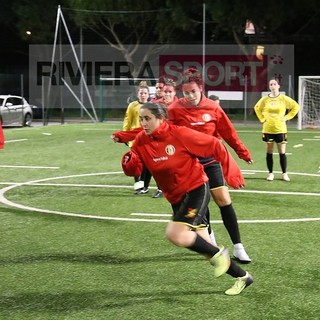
{"x": 131, "y": 119}
{"x": 273, "y": 112}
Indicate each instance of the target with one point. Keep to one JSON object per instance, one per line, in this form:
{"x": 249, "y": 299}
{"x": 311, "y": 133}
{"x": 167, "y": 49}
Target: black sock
{"x": 283, "y": 162}
{"x": 231, "y": 223}
{"x": 208, "y": 221}
{"x": 146, "y": 177}
{"x": 269, "y": 160}
{"x": 203, "y": 247}
{"x": 235, "y": 271}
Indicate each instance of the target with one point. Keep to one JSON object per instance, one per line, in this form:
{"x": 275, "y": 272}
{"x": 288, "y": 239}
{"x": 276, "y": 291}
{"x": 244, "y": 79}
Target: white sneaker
{"x": 138, "y": 185}
{"x": 285, "y": 177}
{"x": 240, "y": 254}
{"x": 213, "y": 239}
{"x": 142, "y": 191}
{"x": 270, "y": 176}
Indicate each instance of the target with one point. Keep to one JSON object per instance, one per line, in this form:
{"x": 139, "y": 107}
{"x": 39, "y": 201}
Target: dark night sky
{"x": 14, "y": 56}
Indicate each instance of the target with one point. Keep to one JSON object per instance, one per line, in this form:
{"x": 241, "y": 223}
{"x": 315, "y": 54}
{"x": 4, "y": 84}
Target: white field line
{"x": 8, "y": 183}
{"x": 18, "y": 140}
{"x": 294, "y": 173}
{"x": 291, "y": 132}
{"x": 311, "y": 139}
{"x": 151, "y": 214}
{"x": 28, "y": 167}
{"x": 130, "y": 187}
{"x": 73, "y": 185}
{"x": 220, "y": 221}
{"x": 7, "y": 202}
{"x": 102, "y": 129}
{"x": 278, "y": 192}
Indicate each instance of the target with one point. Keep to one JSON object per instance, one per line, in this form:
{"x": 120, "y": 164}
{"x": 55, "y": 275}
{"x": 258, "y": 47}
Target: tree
{"x": 125, "y": 25}
{"x": 274, "y": 21}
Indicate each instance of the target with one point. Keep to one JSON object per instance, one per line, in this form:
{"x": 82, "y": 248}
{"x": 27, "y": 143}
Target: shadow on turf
{"x": 66, "y": 302}
{"x": 99, "y": 259}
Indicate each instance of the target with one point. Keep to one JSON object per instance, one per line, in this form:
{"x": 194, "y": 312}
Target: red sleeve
{"x": 232, "y": 172}
{"x": 203, "y": 145}
{"x": 228, "y": 133}
{"x": 131, "y": 164}
{"x": 1, "y": 137}
{"x": 126, "y": 136}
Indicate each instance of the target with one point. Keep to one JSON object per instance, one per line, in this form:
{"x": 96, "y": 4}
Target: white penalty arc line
{"x": 9, "y": 203}
{"x": 240, "y": 221}
{"x": 80, "y": 185}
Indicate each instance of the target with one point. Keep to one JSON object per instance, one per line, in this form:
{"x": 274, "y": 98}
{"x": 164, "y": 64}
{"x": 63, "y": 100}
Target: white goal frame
{"x": 309, "y": 113}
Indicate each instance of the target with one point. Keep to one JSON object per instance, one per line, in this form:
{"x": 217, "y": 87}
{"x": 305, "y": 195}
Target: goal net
{"x": 309, "y": 101}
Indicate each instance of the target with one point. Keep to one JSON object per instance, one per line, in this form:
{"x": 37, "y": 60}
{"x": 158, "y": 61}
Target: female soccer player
{"x": 159, "y": 89}
{"x": 130, "y": 122}
{"x": 271, "y": 110}
{"x": 171, "y": 155}
{"x": 168, "y": 97}
{"x": 198, "y": 112}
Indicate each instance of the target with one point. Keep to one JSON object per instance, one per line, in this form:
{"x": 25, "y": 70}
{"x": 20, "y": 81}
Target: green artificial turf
{"x": 77, "y": 244}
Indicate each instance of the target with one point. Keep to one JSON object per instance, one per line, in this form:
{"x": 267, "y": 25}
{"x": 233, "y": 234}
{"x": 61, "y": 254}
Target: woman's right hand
{"x": 114, "y": 138}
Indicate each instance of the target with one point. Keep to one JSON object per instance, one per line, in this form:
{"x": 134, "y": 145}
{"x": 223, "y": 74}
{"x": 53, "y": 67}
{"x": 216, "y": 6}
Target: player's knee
{"x": 221, "y": 197}
{"x": 175, "y": 237}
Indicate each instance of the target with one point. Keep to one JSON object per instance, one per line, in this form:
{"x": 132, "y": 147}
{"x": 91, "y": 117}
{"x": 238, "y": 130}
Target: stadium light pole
{"x": 203, "y": 41}
{"x": 81, "y": 60}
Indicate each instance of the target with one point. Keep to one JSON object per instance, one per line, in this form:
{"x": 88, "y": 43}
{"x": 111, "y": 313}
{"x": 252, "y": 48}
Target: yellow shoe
{"x": 220, "y": 262}
{"x": 240, "y": 284}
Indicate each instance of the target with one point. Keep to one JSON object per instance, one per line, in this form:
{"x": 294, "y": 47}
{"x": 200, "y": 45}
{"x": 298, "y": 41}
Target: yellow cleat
{"x": 220, "y": 262}
{"x": 240, "y": 284}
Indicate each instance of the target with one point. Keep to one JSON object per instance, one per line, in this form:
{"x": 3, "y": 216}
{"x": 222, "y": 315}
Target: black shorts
{"x": 215, "y": 175}
{"x": 277, "y": 137}
{"x": 192, "y": 209}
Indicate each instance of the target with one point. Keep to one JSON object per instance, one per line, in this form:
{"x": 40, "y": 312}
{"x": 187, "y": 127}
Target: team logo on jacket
{"x": 170, "y": 149}
{"x": 206, "y": 117}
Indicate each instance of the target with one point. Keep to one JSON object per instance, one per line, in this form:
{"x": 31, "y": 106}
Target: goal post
{"x": 309, "y": 101}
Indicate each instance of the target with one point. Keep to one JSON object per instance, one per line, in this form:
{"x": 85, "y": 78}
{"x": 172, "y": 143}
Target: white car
{"x": 15, "y": 110}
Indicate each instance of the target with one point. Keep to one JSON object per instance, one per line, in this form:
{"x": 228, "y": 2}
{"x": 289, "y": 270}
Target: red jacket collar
{"x": 160, "y": 132}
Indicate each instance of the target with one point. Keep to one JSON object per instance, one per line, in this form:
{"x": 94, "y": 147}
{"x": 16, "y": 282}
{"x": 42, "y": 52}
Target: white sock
{"x": 213, "y": 239}
{"x": 238, "y": 246}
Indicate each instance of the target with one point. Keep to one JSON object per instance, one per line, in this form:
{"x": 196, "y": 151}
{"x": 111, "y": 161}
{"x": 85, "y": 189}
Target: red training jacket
{"x": 1, "y": 137}
{"x": 208, "y": 117}
{"x": 170, "y": 154}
